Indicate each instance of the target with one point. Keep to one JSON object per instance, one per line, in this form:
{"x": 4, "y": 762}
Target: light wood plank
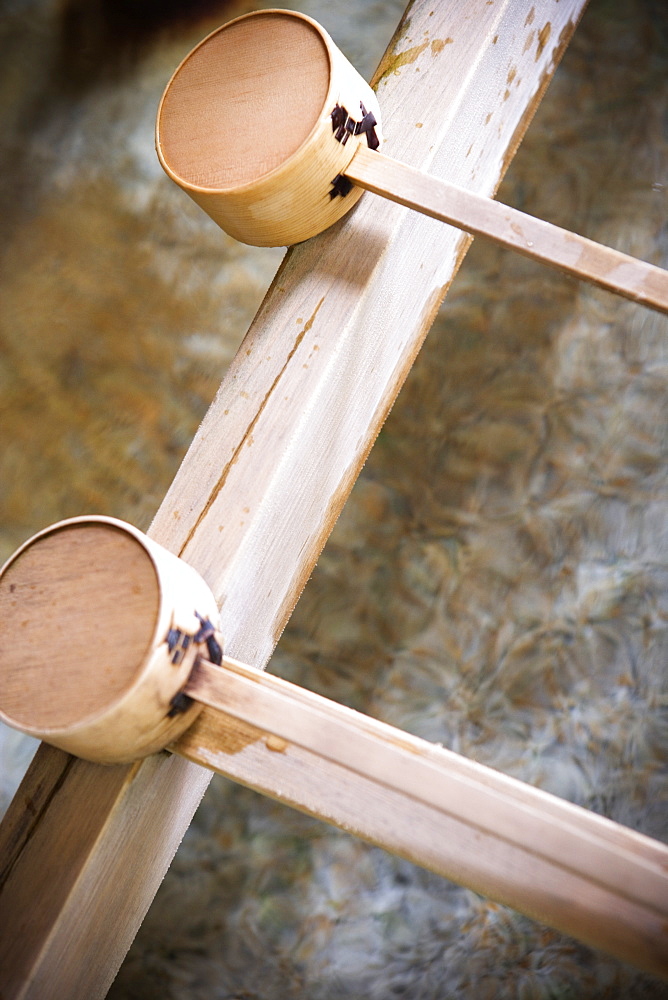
{"x": 585, "y": 259}
{"x": 574, "y": 870}
{"x": 273, "y": 463}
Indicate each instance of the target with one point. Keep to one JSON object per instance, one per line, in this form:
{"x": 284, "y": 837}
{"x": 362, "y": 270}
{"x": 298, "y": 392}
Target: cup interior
{"x": 244, "y": 101}
{"x": 78, "y": 611}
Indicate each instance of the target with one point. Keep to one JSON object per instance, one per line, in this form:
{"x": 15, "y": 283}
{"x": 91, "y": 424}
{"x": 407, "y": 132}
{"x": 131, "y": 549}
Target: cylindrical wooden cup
{"x": 258, "y": 123}
{"x": 97, "y": 638}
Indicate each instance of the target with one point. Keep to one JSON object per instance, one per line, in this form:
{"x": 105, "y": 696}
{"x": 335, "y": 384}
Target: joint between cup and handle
{"x": 343, "y": 126}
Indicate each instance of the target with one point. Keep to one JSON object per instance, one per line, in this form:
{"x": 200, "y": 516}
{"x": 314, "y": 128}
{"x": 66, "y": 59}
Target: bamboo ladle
{"x": 268, "y": 127}
{"x": 109, "y": 650}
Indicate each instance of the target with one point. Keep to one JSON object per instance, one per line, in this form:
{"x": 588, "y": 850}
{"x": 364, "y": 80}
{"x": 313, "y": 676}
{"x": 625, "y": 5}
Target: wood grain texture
{"x": 271, "y": 467}
{"x": 80, "y": 844}
{"x": 585, "y": 259}
{"x": 572, "y": 869}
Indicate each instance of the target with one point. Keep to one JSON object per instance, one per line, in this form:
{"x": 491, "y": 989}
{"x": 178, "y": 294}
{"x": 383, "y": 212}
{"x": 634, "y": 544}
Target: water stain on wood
{"x": 543, "y": 36}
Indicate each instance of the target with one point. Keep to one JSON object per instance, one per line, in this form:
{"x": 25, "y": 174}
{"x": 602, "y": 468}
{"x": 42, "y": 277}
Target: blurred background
{"x": 497, "y": 581}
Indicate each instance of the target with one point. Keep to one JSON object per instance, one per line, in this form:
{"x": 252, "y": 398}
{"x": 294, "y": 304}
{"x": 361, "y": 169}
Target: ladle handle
{"x": 569, "y": 868}
{"x": 617, "y": 272}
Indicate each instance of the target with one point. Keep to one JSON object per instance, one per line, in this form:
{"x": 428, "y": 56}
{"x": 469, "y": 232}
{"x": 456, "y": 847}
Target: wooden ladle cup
{"x": 258, "y": 124}
{"x": 267, "y": 126}
{"x": 99, "y": 630}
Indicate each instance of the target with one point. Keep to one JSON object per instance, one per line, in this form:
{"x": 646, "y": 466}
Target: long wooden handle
{"x": 569, "y": 868}
{"x": 617, "y": 272}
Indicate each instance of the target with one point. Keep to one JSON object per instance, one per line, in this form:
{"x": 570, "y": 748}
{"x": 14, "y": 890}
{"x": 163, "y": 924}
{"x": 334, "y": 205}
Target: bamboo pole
{"x": 85, "y": 847}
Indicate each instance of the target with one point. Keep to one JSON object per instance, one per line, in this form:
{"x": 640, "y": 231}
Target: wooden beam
{"x": 270, "y": 469}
